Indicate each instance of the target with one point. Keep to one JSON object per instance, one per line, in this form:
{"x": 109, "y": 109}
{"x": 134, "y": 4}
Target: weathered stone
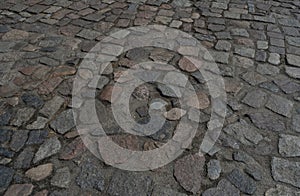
{"x": 18, "y": 139}
{"x": 242, "y": 62}
{"x": 61, "y": 178}
{"x": 223, "y": 45}
{"x": 37, "y": 137}
{"x": 200, "y": 101}
{"x": 19, "y": 189}
{"x": 261, "y": 56}
{"x": 293, "y": 60}
{"x": 219, "y": 57}
{"x": 245, "y": 52}
{"x": 5, "y": 177}
{"x": 129, "y": 183}
{"x": 174, "y": 114}
{"x": 32, "y": 100}
{"x": 73, "y": 149}
{"x": 289, "y": 146}
{"x": 40, "y": 123}
{"x": 15, "y": 34}
{"x": 189, "y": 171}
{"x": 141, "y": 93}
{"x": 254, "y": 78}
{"x": 24, "y": 159}
{"x": 52, "y": 106}
{"x": 186, "y": 65}
{"x": 169, "y": 90}
{"x": 286, "y": 171}
{"x": 267, "y": 69}
{"x": 274, "y": 58}
{"x": 254, "y": 171}
{"x": 262, "y": 45}
{"x": 239, "y": 32}
{"x": 282, "y": 190}
{"x": 244, "y": 132}
{"x": 22, "y": 116}
{"x": 267, "y": 120}
{"x": 50, "y": 147}
{"x": 213, "y": 169}
{"x": 64, "y": 122}
{"x": 159, "y": 190}
{"x": 107, "y": 93}
{"x": 280, "y": 105}
{"x": 288, "y": 86}
{"x": 296, "y": 123}
{"x": 88, "y": 34}
{"x": 294, "y": 41}
{"x": 224, "y": 188}
{"x": 90, "y": 177}
{"x": 242, "y": 182}
{"x": 293, "y": 72}
{"x": 256, "y": 98}
{"x": 40, "y": 172}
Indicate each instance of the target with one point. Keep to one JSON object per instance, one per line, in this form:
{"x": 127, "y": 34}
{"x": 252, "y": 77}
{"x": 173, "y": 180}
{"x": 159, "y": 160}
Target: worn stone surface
{"x": 224, "y": 188}
{"x": 289, "y": 145}
{"x": 61, "y": 178}
{"x": 6, "y": 177}
{"x": 64, "y": 122}
{"x": 50, "y": 147}
{"x": 189, "y": 171}
{"x": 19, "y": 189}
{"x": 286, "y": 171}
{"x": 255, "y": 98}
{"x": 40, "y": 172}
{"x": 242, "y": 182}
{"x": 130, "y": 184}
{"x": 280, "y": 105}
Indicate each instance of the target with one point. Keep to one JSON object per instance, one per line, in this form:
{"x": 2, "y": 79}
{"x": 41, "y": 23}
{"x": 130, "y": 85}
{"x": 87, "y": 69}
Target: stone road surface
{"x": 256, "y": 45}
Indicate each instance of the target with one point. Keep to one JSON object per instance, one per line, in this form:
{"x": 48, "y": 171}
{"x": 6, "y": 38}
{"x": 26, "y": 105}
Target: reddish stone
{"x": 141, "y": 21}
{"x": 19, "y": 189}
{"x": 146, "y": 14}
{"x": 28, "y": 70}
{"x": 131, "y": 142}
{"x": 186, "y": 65}
{"x": 69, "y": 30}
{"x": 106, "y": 94}
{"x": 148, "y": 8}
{"x": 200, "y": 101}
{"x": 63, "y": 71}
{"x": 20, "y": 80}
{"x": 73, "y": 149}
{"x": 123, "y": 23}
{"x": 189, "y": 171}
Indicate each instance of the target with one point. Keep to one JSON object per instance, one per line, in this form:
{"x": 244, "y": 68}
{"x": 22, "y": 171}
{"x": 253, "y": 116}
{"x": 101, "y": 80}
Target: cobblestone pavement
{"x": 256, "y": 45}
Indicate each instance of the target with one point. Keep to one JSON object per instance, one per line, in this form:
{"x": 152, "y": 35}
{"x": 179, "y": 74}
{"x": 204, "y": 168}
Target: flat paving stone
{"x": 50, "y": 147}
{"x": 289, "y": 145}
{"x": 280, "y": 105}
{"x": 64, "y": 122}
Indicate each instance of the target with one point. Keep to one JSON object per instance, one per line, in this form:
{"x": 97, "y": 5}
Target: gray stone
{"x": 22, "y": 116}
{"x": 244, "y": 51}
{"x": 90, "y": 177}
{"x": 280, "y": 105}
{"x": 267, "y": 120}
{"x": 5, "y": 177}
{"x": 288, "y": 86}
{"x": 282, "y": 190}
{"x": 296, "y": 123}
{"x": 239, "y": 32}
{"x": 267, "y": 19}
{"x": 293, "y": 60}
{"x": 40, "y": 123}
{"x": 277, "y": 42}
{"x": 267, "y": 69}
{"x": 220, "y": 57}
{"x": 224, "y": 188}
{"x": 262, "y": 45}
{"x": 32, "y": 100}
{"x": 274, "y": 59}
{"x": 52, "y": 106}
{"x": 166, "y": 191}
{"x": 129, "y": 183}
{"x": 286, "y": 171}
{"x": 242, "y": 182}
{"x": 5, "y": 136}
{"x": 6, "y": 152}
{"x": 64, "y": 122}
{"x": 61, "y": 178}
{"x": 294, "y": 41}
{"x": 244, "y": 132}
{"x": 293, "y": 72}
{"x": 23, "y": 160}
{"x": 261, "y": 56}
{"x": 254, "y": 172}
{"x": 37, "y": 137}
{"x": 50, "y": 147}
{"x": 256, "y": 98}
{"x": 213, "y": 169}
{"x": 242, "y": 62}
{"x": 88, "y": 34}
{"x": 289, "y": 22}
{"x": 270, "y": 86}
{"x": 18, "y": 140}
{"x": 254, "y": 78}
{"x": 223, "y": 45}
{"x": 289, "y": 146}
{"x": 169, "y": 90}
